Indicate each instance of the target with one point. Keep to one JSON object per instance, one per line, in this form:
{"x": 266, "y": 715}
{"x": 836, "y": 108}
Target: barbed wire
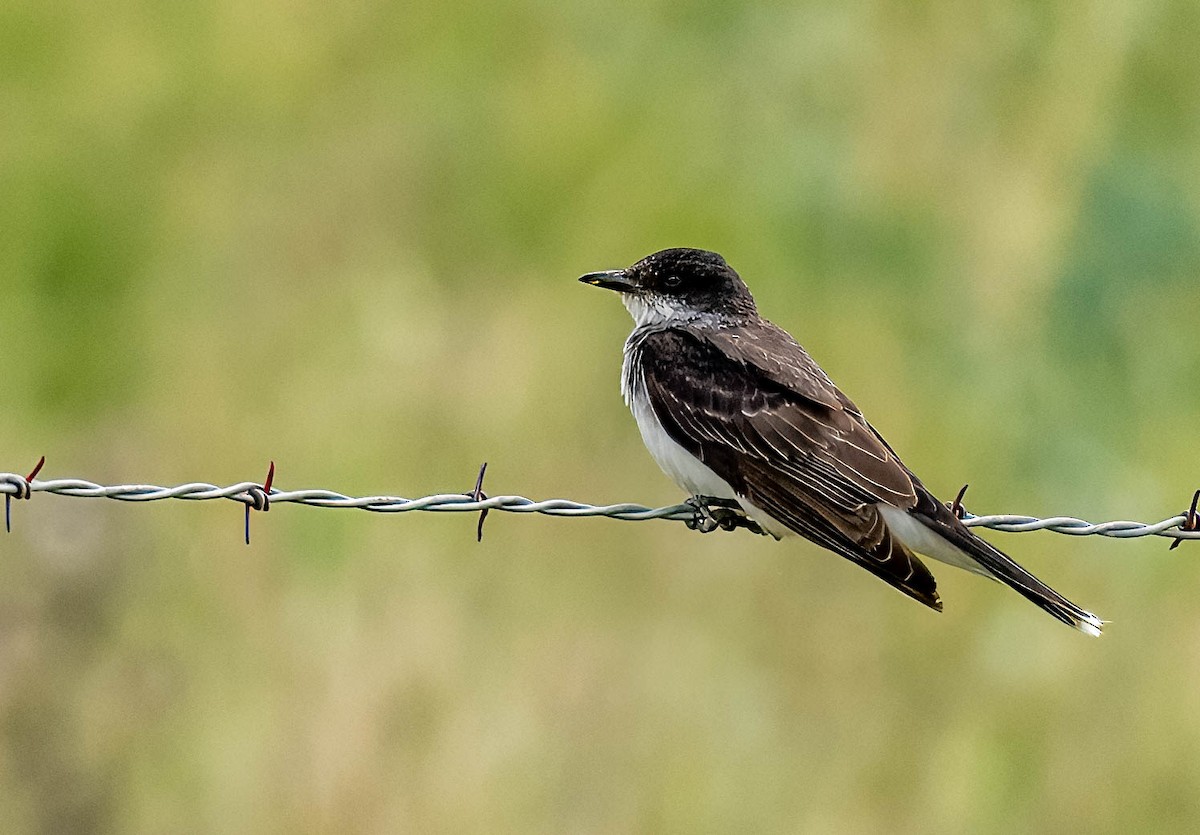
{"x": 260, "y": 496}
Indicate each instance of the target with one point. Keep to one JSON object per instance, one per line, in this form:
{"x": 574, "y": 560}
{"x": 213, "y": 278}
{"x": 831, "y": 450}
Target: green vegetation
{"x": 345, "y": 237}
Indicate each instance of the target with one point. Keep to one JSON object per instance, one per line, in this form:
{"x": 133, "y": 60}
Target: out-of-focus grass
{"x": 346, "y": 239}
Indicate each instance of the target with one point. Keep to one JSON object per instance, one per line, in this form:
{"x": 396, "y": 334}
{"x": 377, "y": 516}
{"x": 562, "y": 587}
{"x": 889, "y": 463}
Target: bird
{"x": 737, "y": 413}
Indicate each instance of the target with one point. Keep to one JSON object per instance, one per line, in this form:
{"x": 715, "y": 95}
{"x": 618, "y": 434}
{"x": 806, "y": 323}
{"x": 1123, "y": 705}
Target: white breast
{"x": 685, "y": 469}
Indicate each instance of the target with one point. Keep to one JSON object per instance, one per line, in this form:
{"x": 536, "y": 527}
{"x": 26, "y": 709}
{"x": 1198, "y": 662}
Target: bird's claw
{"x": 713, "y": 513}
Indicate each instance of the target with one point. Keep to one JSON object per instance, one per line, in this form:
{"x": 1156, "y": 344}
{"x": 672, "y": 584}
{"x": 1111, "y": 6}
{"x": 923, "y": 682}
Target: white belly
{"x": 685, "y": 469}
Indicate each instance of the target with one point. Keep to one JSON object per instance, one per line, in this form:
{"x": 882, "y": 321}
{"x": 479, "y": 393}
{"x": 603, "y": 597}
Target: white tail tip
{"x": 1089, "y": 624}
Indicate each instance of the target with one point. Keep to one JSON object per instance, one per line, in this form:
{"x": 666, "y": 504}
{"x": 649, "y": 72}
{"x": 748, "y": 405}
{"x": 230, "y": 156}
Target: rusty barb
{"x": 478, "y": 495}
{"x": 1190, "y": 523}
{"x": 698, "y": 512}
{"x": 259, "y": 498}
{"x": 956, "y": 506}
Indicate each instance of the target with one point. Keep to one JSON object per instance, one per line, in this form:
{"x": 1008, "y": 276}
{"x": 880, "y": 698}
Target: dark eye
{"x": 672, "y": 282}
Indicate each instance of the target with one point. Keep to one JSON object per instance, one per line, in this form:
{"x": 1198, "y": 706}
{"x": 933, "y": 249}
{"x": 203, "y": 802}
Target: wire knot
{"x": 19, "y": 482}
{"x": 257, "y": 499}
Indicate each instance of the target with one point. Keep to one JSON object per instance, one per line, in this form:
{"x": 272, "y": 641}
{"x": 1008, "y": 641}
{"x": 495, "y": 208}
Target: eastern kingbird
{"x": 732, "y": 408}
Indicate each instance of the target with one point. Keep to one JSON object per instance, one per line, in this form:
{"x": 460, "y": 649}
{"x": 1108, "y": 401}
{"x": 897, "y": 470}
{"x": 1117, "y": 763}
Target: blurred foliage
{"x": 346, "y": 236}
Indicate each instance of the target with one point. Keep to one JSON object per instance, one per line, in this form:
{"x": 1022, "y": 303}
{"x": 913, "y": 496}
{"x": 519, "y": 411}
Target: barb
{"x": 956, "y": 506}
{"x": 1191, "y": 520}
{"x": 261, "y": 496}
{"x": 478, "y": 495}
{"x": 20, "y": 490}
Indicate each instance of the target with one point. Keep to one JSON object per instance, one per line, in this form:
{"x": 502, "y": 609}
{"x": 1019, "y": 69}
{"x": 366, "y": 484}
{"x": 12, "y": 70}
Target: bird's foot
{"x": 705, "y": 520}
{"x": 713, "y": 513}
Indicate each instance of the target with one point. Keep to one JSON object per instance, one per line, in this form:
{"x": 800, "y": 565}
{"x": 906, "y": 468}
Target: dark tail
{"x": 1006, "y": 570}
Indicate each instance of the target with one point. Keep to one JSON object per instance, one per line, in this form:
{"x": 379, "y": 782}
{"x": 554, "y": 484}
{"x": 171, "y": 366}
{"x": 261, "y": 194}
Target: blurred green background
{"x": 346, "y": 238}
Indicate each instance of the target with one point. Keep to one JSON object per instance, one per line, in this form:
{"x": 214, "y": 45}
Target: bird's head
{"x": 677, "y": 285}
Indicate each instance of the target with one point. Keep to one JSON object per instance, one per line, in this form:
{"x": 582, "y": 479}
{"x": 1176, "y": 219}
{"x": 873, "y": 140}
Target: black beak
{"x": 610, "y": 280}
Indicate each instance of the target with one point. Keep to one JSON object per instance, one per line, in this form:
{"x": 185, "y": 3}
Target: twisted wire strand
{"x": 16, "y": 486}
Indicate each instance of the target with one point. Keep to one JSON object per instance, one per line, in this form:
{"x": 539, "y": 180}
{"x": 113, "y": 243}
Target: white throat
{"x": 649, "y": 310}
{"x": 654, "y": 310}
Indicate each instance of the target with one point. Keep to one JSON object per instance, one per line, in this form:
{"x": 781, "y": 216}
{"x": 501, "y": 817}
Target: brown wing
{"x": 763, "y": 416}
{"x": 775, "y": 355}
